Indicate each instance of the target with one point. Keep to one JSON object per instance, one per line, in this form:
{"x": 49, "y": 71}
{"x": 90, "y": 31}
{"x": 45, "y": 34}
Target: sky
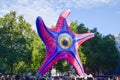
{"x": 101, "y": 14}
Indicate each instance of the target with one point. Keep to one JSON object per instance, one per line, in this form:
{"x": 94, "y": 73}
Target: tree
{"x": 99, "y": 52}
{"x": 111, "y": 54}
{"x": 92, "y": 50}
{"x": 21, "y": 49}
{"x": 15, "y": 41}
{"x": 38, "y": 53}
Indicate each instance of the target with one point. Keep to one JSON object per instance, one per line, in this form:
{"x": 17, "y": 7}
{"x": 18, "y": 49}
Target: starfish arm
{"x": 75, "y": 61}
{"x": 54, "y": 60}
{"x": 64, "y": 15}
{"x": 44, "y": 32}
{"x": 50, "y": 61}
{"x": 47, "y": 63}
{"x": 46, "y": 66}
{"x": 48, "y": 40}
{"x": 80, "y": 38}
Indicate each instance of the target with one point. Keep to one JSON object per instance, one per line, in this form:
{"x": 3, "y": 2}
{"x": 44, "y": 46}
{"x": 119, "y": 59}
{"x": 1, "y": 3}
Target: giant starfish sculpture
{"x": 61, "y": 44}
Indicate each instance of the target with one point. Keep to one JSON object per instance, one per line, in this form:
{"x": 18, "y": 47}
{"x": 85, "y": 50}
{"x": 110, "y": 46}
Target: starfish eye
{"x": 64, "y": 40}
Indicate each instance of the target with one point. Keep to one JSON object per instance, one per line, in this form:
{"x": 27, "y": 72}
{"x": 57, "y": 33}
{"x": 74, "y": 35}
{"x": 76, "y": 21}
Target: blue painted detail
{"x": 83, "y": 37}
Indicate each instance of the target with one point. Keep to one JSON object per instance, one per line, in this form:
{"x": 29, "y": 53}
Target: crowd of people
{"x": 21, "y": 77}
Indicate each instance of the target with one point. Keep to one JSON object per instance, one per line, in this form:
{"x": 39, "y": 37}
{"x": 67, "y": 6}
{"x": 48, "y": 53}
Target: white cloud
{"x": 49, "y": 10}
{"x": 84, "y": 3}
{"x": 30, "y": 10}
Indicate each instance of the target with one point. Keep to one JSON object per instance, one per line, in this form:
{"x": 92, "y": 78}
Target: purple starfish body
{"x": 61, "y": 44}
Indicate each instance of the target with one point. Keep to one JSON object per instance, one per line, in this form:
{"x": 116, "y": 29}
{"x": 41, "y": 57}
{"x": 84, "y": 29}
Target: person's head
{"x": 17, "y": 77}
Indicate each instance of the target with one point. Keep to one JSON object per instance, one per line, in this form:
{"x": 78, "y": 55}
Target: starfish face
{"x": 61, "y": 44}
{"x": 65, "y": 40}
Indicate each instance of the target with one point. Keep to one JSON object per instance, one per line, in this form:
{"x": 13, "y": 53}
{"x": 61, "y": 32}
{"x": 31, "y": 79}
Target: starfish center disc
{"x": 64, "y": 40}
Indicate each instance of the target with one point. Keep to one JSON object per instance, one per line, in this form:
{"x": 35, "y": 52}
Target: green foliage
{"x": 111, "y": 54}
{"x": 82, "y": 56}
{"x": 73, "y": 26}
{"x": 38, "y": 53}
{"x": 62, "y": 66}
{"x": 20, "y": 45}
{"x": 15, "y": 38}
{"x": 101, "y": 53}
{"x": 98, "y": 53}
{"x": 81, "y": 28}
